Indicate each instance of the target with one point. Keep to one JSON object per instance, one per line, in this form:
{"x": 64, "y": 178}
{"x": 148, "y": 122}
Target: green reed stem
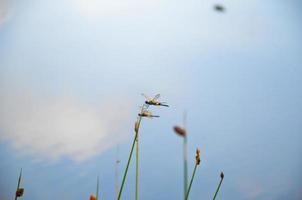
{"x": 221, "y": 179}
{"x": 19, "y": 180}
{"x": 128, "y": 163}
{"x": 136, "y": 169}
{"x": 187, "y": 195}
{"x": 185, "y": 156}
{"x": 97, "y": 189}
{"x": 126, "y": 170}
{"x": 137, "y": 156}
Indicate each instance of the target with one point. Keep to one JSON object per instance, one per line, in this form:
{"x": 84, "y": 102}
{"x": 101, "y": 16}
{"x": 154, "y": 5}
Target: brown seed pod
{"x": 92, "y": 197}
{"x": 180, "y": 131}
{"x": 19, "y": 192}
{"x": 197, "y": 156}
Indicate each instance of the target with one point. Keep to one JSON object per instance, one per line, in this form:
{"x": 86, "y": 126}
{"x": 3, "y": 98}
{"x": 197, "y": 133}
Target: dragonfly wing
{"x": 156, "y": 97}
{"x": 146, "y": 97}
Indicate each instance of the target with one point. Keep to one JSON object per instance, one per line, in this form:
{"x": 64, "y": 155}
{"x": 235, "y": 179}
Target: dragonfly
{"x": 146, "y": 113}
{"x": 153, "y": 101}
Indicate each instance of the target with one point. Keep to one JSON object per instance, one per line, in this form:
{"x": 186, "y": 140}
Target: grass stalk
{"x": 185, "y": 155}
{"x": 221, "y": 179}
{"x": 97, "y": 189}
{"x": 197, "y": 162}
{"x": 137, "y": 126}
{"x": 136, "y": 168}
{"x": 188, "y": 192}
{"x": 127, "y": 166}
{"x": 18, "y": 186}
{"x": 129, "y": 159}
{"x": 117, "y": 161}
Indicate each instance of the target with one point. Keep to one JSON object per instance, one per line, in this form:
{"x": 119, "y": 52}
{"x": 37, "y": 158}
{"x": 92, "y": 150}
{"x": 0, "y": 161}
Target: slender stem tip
{"x": 221, "y": 175}
{"x": 197, "y": 157}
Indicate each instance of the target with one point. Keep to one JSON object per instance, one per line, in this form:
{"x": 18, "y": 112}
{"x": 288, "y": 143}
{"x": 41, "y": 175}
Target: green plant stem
{"x": 126, "y": 170}
{"x": 129, "y": 159}
{"x": 185, "y": 166}
{"x": 187, "y": 195}
{"x": 97, "y": 189}
{"x": 117, "y": 172}
{"x": 221, "y": 179}
{"x": 19, "y": 180}
{"x": 136, "y": 169}
{"x": 137, "y": 156}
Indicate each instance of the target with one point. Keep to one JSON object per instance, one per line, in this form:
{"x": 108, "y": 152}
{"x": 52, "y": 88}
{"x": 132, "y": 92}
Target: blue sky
{"x": 71, "y": 75}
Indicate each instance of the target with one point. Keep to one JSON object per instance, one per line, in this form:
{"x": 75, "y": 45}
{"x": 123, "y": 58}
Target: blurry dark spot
{"x": 219, "y": 8}
{"x": 221, "y": 175}
{"x": 180, "y": 131}
{"x": 19, "y": 192}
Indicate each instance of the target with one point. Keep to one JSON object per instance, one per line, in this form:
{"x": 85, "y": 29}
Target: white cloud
{"x": 5, "y": 11}
{"x": 59, "y": 127}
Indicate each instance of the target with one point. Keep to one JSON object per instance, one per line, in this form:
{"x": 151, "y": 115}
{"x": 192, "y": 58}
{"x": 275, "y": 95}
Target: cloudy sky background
{"x": 71, "y": 75}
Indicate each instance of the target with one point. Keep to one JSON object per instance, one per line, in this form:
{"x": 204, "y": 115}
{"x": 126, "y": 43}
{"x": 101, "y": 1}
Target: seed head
{"x": 19, "y": 192}
{"x": 92, "y": 197}
{"x": 180, "y": 131}
{"x": 197, "y": 156}
{"x": 221, "y": 175}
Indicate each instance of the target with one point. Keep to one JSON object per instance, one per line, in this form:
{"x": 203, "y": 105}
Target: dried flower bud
{"x": 136, "y": 126}
{"x": 180, "y": 131}
{"x": 19, "y": 192}
{"x": 92, "y": 197}
{"x": 197, "y": 156}
{"x": 221, "y": 175}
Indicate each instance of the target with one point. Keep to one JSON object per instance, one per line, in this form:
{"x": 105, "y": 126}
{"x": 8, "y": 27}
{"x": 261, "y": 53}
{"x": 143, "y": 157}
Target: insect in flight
{"x": 153, "y": 101}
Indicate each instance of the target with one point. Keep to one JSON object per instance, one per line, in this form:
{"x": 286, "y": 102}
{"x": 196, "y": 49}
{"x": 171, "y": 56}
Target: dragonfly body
{"x": 154, "y": 101}
{"x": 147, "y": 114}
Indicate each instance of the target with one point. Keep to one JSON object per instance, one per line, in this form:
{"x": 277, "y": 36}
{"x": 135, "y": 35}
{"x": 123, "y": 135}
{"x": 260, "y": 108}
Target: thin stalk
{"x": 136, "y": 167}
{"x": 126, "y": 170}
{"x": 185, "y": 154}
{"x": 127, "y": 166}
{"x": 117, "y": 172}
{"x": 137, "y": 154}
{"x": 221, "y": 179}
{"x": 19, "y": 180}
{"x": 97, "y": 189}
{"x": 187, "y": 195}
{"x": 185, "y": 166}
